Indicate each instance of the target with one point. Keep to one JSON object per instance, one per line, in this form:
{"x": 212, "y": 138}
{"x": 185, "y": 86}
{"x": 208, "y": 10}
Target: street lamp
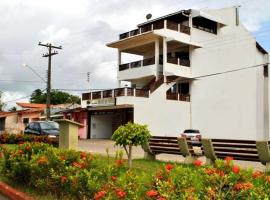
{"x": 47, "y": 102}
{"x": 35, "y": 72}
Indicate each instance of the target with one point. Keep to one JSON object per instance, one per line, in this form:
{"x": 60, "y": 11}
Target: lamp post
{"x": 35, "y": 72}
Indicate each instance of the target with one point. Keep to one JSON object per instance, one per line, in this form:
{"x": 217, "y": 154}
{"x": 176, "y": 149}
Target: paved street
{"x": 100, "y": 145}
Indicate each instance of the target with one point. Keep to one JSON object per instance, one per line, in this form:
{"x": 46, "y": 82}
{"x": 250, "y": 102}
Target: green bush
{"x": 85, "y": 176}
{"x": 21, "y": 138}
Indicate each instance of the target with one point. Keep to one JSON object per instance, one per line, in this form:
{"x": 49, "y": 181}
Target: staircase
{"x": 154, "y": 84}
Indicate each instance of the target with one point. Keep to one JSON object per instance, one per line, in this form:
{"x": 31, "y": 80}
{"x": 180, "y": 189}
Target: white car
{"x": 192, "y": 134}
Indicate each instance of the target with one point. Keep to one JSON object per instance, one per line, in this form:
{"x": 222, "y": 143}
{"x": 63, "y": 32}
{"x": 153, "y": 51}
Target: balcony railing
{"x": 136, "y": 64}
{"x": 155, "y": 26}
{"x": 179, "y": 61}
{"x": 177, "y": 96}
{"x": 118, "y": 92}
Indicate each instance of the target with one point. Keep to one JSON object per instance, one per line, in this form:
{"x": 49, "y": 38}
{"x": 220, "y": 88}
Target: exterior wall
{"x": 12, "y": 125}
{"x": 163, "y": 117}
{"x": 228, "y": 105}
{"x": 101, "y": 126}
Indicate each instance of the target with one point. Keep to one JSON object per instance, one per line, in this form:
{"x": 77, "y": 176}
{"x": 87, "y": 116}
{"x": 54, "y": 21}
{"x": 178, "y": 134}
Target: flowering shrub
{"x": 86, "y": 176}
{"x": 22, "y": 138}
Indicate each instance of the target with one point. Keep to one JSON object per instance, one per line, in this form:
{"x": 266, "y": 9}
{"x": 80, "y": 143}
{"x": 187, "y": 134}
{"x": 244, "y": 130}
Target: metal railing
{"x": 155, "y": 26}
{"x": 136, "y": 64}
{"x": 177, "y": 96}
{"x": 118, "y": 92}
{"x": 179, "y": 61}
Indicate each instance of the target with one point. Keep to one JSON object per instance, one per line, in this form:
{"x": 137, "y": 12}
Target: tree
{"x": 129, "y": 135}
{"x": 2, "y": 104}
{"x": 57, "y": 97}
{"x": 12, "y": 109}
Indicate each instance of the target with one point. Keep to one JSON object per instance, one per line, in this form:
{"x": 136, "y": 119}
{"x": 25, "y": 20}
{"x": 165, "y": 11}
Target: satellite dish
{"x": 148, "y": 16}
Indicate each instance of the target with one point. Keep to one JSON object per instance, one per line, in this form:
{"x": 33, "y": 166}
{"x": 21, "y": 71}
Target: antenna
{"x": 148, "y": 16}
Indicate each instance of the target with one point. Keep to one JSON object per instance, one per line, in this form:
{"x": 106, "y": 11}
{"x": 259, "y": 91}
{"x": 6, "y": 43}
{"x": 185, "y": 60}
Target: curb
{"x": 13, "y": 194}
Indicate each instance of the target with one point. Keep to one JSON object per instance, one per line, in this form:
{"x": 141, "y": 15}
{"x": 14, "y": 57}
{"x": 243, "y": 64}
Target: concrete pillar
{"x": 164, "y": 53}
{"x": 68, "y": 138}
{"x": 157, "y": 57}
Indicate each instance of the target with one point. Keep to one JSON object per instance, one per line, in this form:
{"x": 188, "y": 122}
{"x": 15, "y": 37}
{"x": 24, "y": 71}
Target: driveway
{"x": 100, "y": 145}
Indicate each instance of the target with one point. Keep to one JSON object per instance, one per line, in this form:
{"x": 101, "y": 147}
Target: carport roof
{"x": 101, "y": 108}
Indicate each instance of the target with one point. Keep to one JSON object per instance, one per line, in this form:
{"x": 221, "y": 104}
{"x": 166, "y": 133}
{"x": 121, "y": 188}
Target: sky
{"x": 82, "y": 28}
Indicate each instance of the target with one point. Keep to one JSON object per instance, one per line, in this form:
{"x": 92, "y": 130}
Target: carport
{"x": 104, "y": 120}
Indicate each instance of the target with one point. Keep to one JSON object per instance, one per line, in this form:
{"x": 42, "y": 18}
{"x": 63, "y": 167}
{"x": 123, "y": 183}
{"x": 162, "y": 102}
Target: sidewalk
{"x": 100, "y": 145}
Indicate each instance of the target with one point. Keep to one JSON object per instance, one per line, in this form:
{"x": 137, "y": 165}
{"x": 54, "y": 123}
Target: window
{"x": 25, "y": 120}
{"x": 265, "y": 70}
{"x": 184, "y": 88}
{"x": 204, "y": 24}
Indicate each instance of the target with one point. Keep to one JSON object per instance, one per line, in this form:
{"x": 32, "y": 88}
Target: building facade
{"x": 199, "y": 69}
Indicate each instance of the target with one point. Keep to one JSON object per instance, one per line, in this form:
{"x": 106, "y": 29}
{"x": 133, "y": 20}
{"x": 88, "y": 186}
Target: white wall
{"x": 101, "y": 126}
{"x": 163, "y": 117}
{"x": 228, "y": 105}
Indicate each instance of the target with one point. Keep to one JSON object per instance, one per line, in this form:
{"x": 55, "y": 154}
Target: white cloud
{"x": 83, "y": 28}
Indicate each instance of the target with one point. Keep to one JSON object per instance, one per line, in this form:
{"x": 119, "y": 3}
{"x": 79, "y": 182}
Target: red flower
{"x": 268, "y": 179}
{"x": 169, "y": 167}
{"x": 120, "y": 193}
{"x": 63, "y": 179}
{"x": 113, "y": 178}
{"x": 79, "y": 165}
{"x": 256, "y": 174}
{"x": 152, "y": 193}
{"x": 42, "y": 160}
{"x": 119, "y": 162}
{"x": 20, "y": 152}
{"x": 83, "y": 155}
{"x": 28, "y": 148}
{"x": 63, "y": 157}
{"x": 238, "y": 186}
{"x": 197, "y": 163}
{"x": 99, "y": 195}
{"x": 228, "y": 160}
{"x": 235, "y": 169}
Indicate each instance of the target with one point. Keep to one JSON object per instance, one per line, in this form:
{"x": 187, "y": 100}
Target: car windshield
{"x": 191, "y": 131}
{"x": 49, "y": 125}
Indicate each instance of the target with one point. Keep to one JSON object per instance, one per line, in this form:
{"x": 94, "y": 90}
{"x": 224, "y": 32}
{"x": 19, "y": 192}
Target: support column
{"x": 157, "y": 57}
{"x": 119, "y": 62}
{"x": 164, "y": 55}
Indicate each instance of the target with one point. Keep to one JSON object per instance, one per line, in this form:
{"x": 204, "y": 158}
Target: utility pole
{"x": 49, "y": 55}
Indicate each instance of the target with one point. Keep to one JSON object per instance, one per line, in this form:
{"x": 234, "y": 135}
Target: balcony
{"x": 179, "y": 61}
{"x": 155, "y": 26}
{"x": 118, "y": 92}
{"x": 136, "y": 64}
{"x": 177, "y": 96}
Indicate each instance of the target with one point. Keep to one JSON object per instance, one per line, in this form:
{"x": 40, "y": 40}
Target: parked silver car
{"x": 192, "y": 134}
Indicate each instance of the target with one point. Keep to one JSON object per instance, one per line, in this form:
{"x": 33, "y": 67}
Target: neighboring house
{"x": 15, "y": 122}
{"x": 171, "y": 87}
{"x": 79, "y": 115}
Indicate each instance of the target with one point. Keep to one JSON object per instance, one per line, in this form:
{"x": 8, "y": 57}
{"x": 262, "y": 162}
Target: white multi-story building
{"x": 199, "y": 70}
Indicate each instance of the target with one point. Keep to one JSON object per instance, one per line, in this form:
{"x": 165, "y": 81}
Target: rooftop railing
{"x": 136, "y": 64}
{"x": 117, "y": 92}
{"x": 155, "y": 26}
